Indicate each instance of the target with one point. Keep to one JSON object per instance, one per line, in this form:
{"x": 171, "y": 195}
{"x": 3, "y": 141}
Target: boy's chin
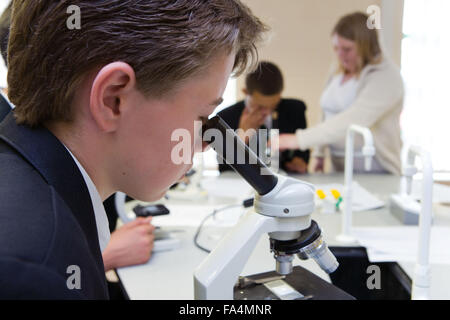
{"x": 151, "y": 197}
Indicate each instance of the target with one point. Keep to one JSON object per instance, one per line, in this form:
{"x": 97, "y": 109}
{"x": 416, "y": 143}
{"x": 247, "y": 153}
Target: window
{"x": 426, "y": 71}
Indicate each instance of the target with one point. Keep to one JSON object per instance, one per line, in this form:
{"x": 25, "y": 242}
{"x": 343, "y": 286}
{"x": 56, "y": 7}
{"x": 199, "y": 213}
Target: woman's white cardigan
{"x": 378, "y": 105}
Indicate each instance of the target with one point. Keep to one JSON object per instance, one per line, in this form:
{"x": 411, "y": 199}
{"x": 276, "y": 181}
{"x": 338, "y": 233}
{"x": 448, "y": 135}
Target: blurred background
{"x": 413, "y": 33}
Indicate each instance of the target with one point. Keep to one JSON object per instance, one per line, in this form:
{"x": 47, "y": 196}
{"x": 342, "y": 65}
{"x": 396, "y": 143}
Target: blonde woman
{"x": 366, "y": 89}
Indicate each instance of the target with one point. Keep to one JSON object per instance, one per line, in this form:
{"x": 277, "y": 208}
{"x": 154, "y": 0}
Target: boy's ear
{"x": 245, "y": 91}
{"x": 110, "y": 89}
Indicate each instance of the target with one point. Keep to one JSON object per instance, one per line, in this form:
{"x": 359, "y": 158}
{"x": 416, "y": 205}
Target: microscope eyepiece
{"x": 238, "y": 155}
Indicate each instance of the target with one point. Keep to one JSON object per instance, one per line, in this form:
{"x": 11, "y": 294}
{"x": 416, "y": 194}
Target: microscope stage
{"x": 302, "y": 284}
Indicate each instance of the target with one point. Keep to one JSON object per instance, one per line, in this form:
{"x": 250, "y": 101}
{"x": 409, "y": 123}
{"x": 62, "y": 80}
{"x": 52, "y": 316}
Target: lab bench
{"x": 168, "y": 275}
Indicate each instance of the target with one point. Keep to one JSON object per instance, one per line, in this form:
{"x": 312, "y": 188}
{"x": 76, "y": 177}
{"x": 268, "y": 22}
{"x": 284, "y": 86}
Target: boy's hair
{"x": 4, "y": 32}
{"x": 267, "y": 79}
{"x": 164, "y": 41}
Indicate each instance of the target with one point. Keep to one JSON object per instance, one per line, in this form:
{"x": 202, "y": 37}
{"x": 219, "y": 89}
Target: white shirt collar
{"x": 101, "y": 218}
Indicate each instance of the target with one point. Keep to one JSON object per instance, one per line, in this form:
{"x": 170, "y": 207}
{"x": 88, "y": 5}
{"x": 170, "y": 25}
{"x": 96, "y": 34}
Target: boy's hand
{"x": 252, "y": 119}
{"x": 130, "y": 245}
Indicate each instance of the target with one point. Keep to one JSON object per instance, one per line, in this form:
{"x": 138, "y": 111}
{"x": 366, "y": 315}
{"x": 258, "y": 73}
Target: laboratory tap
{"x": 368, "y": 152}
{"x": 282, "y": 209}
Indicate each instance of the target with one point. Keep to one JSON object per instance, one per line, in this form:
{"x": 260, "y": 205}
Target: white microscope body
{"x": 283, "y": 213}
{"x": 282, "y": 208}
{"x": 368, "y": 152}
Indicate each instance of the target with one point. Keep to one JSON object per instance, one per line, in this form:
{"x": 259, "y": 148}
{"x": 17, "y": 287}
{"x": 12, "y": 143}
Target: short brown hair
{"x": 267, "y": 79}
{"x": 164, "y": 41}
{"x": 354, "y": 27}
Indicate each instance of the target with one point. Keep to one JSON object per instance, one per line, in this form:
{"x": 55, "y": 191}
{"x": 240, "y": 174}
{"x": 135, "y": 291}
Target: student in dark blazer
{"x": 43, "y": 242}
{"x": 129, "y": 245}
{"x": 47, "y": 229}
{"x": 93, "y": 117}
{"x": 5, "y": 107}
{"x": 264, "y": 108}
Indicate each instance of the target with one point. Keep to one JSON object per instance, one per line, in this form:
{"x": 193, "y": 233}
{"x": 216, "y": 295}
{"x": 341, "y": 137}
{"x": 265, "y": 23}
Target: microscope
{"x": 282, "y": 209}
{"x": 368, "y": 152}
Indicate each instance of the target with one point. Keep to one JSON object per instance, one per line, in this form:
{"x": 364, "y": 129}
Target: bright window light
{"x": 425, "y": 68}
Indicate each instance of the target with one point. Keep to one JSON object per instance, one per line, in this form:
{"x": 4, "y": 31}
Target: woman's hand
{"x": 288, "y": 142}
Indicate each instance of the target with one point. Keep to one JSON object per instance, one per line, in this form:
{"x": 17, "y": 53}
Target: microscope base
{"x": 302, "y": 280}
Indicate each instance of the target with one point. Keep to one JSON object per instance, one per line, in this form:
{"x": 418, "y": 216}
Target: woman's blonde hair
{"x": 354, "y": 27}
